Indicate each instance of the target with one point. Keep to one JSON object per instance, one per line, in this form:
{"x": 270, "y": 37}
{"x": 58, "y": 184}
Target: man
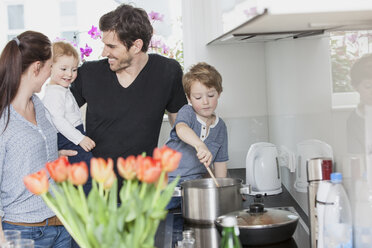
{"x": 128, "y": 93}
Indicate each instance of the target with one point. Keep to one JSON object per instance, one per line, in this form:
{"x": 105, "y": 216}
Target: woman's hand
{"x": 67, "y": 153}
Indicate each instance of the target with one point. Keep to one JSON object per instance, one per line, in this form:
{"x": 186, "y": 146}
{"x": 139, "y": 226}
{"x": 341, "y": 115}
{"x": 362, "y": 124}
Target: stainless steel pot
{"x": 263, "y": 226}
{"x": 203, "y": 202}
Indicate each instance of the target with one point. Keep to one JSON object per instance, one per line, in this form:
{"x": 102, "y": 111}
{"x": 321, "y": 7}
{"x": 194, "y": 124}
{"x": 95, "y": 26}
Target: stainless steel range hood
{"x": 270, "y": 27}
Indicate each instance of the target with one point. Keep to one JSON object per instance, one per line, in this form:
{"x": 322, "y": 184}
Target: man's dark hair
{"x": 129, "y": 23}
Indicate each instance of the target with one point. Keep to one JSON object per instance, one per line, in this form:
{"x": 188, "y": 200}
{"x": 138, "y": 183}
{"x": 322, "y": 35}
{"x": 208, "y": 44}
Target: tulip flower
{"x": 100, "y": 170}
{"x": 127, "y": 167}
{"x": 169, "y": 158}
{"x": 164, "y": 183}
{"x": 37, "y": 183}
{"x": 144, "y": 197}
{"x": 109, "y": 181}
{"x": 148, "y": 169}
{"x": 58, "y": 169}
{"x": 78, "y": 173}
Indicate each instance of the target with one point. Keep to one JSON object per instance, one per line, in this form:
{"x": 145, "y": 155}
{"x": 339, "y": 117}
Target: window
{"x": 68, "y": 13}
{"x": 346, "y": 48}
{"x": 71, "y": 35}
{"x": 66, "y": 18}
{"x": 15, "y": 17}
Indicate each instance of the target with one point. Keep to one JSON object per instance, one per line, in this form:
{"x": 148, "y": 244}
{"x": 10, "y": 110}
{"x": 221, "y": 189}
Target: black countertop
{"x": 170, "y": 230}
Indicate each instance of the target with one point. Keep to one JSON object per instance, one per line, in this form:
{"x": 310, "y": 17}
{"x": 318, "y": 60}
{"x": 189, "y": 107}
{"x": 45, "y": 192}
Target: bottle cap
{"x": 229, "y": 221}
{"x": 188, "y": 233}
{"x": 336, "y": 177}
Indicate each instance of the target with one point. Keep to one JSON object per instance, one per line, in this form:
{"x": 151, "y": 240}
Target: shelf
{"x": 270, "y": 27}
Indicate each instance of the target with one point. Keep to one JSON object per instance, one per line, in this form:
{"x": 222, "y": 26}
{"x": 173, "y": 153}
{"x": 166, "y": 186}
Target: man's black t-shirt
{"x": 126, "y": 121}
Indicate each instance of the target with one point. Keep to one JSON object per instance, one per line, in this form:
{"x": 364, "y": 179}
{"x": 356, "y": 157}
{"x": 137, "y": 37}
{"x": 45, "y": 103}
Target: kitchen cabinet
{"x": 271, "y": 25}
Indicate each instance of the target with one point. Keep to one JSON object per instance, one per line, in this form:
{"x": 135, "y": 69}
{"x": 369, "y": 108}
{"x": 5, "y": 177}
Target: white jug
{"x": 262, "y": 169}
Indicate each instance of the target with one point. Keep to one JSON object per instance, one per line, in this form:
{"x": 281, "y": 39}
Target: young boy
{"x": 62, "y": 106}
{"x": 198, "y": 133}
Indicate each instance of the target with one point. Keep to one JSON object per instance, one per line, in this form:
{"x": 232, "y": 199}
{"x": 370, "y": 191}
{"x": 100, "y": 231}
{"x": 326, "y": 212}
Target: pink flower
{"x": 155, "y": 16}
{"x": 94, "y": 33}
{"x": 155, "y": 43}
{"x": 250, "y": 12}
{"x": 85, "y": 52}
{"x": 59, "y": 39}
{"x": 165, "y": 48}
{"x": 352, "y": 38}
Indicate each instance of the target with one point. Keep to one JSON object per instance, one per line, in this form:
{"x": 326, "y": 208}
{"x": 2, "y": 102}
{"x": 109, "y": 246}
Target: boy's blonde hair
{"x": 203, "y": 73}
{"x": 61, "y": 48}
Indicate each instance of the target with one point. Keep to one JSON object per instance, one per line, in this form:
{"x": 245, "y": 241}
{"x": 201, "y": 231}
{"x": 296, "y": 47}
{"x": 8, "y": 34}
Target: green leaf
{"x": 139, "y": 228}
{"x": 166, "y": 195}
{"x": 158, "y": 214}
{"x": 113, "y": 202}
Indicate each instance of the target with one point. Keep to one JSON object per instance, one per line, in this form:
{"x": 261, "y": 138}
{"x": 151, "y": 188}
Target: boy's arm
{"x": 187, "y": 135}
{"x": 220, "y": 169}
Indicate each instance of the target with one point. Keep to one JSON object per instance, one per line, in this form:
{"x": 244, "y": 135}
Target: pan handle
{"x": 246, "y": 189}
{"x": 177, "y": 192}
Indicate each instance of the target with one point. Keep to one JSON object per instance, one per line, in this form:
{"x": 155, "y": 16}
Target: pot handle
{"x": 246, "y": 189}
{"x": 177, "y": 192}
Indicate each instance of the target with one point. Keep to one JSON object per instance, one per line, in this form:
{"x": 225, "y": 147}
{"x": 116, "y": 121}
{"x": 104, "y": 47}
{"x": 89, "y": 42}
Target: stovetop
{"x": 207, "y": 236}
{"x": 170, "y": 229}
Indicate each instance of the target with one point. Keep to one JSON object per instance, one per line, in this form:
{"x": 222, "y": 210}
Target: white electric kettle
{"x": 262, "y": 169}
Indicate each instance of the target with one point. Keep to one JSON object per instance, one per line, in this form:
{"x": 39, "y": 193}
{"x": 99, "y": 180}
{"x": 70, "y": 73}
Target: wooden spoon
{"x": 209, "y": 171}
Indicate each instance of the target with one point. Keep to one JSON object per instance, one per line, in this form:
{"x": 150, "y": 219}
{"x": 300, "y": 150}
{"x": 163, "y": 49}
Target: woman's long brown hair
{"x": 15, "y": 59}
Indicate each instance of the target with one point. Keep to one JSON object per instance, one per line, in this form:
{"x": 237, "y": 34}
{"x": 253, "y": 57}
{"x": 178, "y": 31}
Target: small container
{"x": 188, "y": 240}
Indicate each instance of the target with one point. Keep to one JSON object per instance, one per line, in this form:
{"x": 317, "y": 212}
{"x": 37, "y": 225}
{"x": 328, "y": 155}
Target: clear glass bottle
{"x": 230, "y": 233}
{"x": 188, "y": 240}
{"x": 338, "y": 224}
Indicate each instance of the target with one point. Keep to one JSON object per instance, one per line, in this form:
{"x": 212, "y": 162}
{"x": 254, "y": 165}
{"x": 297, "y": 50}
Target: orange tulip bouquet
{"x": 98, "y": 220}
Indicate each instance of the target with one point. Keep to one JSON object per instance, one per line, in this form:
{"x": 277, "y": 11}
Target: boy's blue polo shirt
{"x": 216, "y": 141}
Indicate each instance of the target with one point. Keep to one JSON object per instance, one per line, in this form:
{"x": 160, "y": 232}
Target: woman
{"x": 27, "y": 139}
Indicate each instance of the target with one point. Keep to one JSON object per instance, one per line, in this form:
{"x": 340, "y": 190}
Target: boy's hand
{"x": 203, "y": 154}
{"x": 87, "y": 144}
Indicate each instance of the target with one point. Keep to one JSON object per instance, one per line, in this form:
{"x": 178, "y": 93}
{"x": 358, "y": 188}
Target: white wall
{"x": 299, "y": 107}
{"x": 299, "y": 91}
